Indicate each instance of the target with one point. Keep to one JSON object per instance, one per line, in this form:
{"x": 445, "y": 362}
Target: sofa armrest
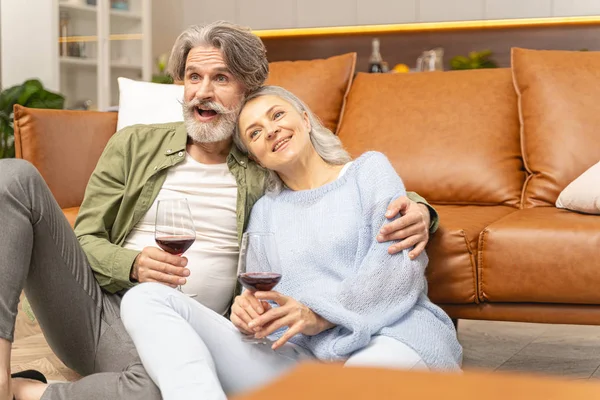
{"x": 71, "y": 214}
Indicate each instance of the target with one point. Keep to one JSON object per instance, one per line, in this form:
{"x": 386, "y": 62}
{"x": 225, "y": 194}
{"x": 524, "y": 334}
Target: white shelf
{"x": 92, "y": 62}
{"x": 126, "y": 66}
{"x": 84, "y": 8}
{"x": 117, "y": 43}
{"x": 79, "y": 12}
{"x": 86, "y": 62}
{"x": 77, "y": 7}
{"x": 125, "y": 14}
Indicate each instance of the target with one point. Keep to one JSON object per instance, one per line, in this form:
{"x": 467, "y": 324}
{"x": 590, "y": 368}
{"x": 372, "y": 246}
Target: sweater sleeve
{"x": 258, "y": 217}
{"x": 384, "y": 287}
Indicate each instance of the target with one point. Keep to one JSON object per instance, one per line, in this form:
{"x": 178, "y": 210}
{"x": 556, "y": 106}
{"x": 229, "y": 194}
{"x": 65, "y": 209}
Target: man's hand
{"x": 411, "y": 229}
{"x": 155, "y": 265}
{"x": 245, "y": 308}
{"x": 291, "y": 313}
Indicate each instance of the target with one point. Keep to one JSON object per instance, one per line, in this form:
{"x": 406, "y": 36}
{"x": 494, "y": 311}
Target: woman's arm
{"x": 385, "y": 286}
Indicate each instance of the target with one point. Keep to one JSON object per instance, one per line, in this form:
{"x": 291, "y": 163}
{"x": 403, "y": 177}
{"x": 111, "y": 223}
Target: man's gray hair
{"x": 327, "y": 145}
{"x": 243, "y": 52}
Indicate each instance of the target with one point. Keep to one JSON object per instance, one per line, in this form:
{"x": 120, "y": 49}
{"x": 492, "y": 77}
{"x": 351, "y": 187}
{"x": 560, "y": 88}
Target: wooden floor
{"x": 566, "y": 351}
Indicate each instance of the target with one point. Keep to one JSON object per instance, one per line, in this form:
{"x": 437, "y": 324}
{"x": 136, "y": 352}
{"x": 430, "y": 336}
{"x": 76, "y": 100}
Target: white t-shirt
{"x": 211, "y": 191}
{"x": 345, "y": 168}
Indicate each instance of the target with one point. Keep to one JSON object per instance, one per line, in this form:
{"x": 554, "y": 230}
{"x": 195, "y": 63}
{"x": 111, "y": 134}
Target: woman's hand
{"x": 291, "y": 313}
{"x": 246, "y": 308}
{"x": 411, "y": 229}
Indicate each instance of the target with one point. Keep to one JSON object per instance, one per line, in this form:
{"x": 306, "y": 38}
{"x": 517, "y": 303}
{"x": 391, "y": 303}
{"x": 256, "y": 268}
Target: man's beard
{"x": 221, "y": 128}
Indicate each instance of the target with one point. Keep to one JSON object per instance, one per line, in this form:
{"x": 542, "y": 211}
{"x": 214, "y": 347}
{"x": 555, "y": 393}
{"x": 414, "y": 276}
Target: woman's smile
{"x": 281, "y": 144}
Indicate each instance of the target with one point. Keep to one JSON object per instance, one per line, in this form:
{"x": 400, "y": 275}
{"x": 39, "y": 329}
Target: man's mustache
{"x": 209, "y": 105}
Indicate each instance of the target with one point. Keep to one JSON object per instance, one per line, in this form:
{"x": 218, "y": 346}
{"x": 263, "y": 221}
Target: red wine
{"x": 262, "y": 281}
{"x": 176, "y": 245}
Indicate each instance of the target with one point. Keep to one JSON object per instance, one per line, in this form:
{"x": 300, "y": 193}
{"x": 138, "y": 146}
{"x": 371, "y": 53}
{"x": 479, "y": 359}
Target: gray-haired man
{"x": 74, "y": 281}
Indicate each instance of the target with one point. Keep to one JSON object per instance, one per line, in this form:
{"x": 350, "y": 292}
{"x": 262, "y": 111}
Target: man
{"x": 83, "y": 275}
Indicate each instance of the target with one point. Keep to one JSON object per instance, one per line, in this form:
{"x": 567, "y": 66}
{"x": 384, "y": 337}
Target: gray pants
{"x": 40, "y": 253}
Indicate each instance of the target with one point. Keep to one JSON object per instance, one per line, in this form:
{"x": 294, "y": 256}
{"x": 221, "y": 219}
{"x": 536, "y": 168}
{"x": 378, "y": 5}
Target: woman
{"x": 342, "y": 298}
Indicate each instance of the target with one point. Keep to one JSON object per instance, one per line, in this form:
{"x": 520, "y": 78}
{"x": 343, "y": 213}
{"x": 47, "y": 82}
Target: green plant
{"x": 161, "y": 77}
{"x": 475, "y": 60}
{"x": 30, "y": 94}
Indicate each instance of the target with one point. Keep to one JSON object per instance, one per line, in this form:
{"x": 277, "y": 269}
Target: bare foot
{"x": 28, "y": 389}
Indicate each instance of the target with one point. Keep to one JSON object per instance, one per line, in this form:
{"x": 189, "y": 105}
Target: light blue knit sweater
{"x": 332, "y": 263}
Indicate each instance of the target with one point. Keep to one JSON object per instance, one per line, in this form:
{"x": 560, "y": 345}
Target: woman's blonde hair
{"x": 327, "y": 145}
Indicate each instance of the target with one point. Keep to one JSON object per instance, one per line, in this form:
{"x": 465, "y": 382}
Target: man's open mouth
{"x": 206, "y": 112}
{"x": 280, "y": 143}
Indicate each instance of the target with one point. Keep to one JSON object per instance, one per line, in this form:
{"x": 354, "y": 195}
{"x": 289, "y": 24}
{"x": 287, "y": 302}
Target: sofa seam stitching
{"x": 346, "y": 93}
{"x": 473, "y": 267}
{"x": 482, "y": 239}
{"x": 521, "y": 128}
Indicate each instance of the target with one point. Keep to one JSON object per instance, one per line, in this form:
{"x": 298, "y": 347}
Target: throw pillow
{"x": 322, "y": 84}
{"x": 558, "y": 94}
{"x": 583, "y": 194}
{"x": 148, "y": 103}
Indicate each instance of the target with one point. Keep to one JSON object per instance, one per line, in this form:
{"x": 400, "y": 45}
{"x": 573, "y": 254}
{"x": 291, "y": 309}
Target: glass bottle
{"x": 375, "y": 61}
{"x": 63, "y": 34}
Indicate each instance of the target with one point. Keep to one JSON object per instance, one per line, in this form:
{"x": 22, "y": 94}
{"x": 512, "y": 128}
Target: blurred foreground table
{"x": 321, "y": 381}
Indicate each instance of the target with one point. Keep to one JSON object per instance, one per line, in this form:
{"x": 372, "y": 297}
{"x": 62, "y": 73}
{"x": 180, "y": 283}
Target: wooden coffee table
{"x": 320, "y": 381}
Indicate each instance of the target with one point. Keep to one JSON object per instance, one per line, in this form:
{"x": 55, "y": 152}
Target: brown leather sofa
{"x": 491, "y": 149}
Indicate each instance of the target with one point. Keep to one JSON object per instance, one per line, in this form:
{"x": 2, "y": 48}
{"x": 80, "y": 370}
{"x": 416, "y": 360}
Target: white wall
{"x": 273, "y": 14}
{"x": 27, "y": 47}
{"x": 167, "y": 24}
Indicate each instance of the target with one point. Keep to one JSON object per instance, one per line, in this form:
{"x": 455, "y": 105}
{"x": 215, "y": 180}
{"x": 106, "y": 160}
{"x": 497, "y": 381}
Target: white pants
{"x": 191, "y": 352}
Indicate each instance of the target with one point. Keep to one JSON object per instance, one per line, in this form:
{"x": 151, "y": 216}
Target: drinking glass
{"x": 259, "y": 267}
{"x": 174, "y": 228}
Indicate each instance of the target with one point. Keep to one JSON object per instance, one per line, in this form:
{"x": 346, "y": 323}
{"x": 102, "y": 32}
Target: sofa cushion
{"x": 541, "y": 313}
{"x": 583, "y": 194}
{"x": 558, "y": 101}
{"x": 541, "y": 255}
{"x": 148, "y": 103}
{"x": 452, "y": 251}
{"x": 452, "y": 136}
{"x": 321, "y": 84}
{"x": 71, "y": 214}
{"x": 64, "y": 146}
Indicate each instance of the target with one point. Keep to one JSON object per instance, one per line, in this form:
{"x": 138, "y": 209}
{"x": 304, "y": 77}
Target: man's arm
{"x": 418, "y": 219}
{"x": 103, "y": 196}
{"x": 434, "y": 219}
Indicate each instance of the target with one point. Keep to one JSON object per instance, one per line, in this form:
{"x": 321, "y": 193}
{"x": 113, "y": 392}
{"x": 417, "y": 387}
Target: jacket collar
{"x": 179, "y": 140}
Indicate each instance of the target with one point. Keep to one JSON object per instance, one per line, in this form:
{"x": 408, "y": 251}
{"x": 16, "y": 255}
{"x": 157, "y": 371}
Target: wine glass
{"x": 174, "y": 227}
{"x": 259, "y": 267}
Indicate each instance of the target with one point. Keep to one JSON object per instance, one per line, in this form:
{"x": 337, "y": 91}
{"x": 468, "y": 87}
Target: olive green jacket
{"x": 127, "y": 180}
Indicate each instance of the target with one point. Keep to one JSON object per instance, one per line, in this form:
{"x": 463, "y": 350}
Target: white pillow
{"x": 583, "y": 194}
{"x": 148, "y": 103}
